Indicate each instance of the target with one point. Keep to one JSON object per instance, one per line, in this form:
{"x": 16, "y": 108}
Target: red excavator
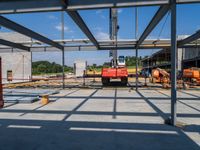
{"x": 118, "y": 72}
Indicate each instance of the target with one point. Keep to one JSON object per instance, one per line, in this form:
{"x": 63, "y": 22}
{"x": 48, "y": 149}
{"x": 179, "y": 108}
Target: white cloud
{"x": 52, "y": 17}
{"x": 99, "y": 11}
{"x": 98, "y": 29}
{"x": 120, "y": 11}
{"x": 66, "y": 28}
{"x": 102, "y": 35}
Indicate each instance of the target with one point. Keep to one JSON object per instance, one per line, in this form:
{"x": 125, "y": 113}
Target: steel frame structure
{"x": 25, "y": 31}
{"x": 72, "y": 7}
{"x": 27, "y": 6}
{"x": 12, "y": 44}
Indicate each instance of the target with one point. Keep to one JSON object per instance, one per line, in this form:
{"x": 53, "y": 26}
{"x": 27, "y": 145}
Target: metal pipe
{"x": 173, "y": 63}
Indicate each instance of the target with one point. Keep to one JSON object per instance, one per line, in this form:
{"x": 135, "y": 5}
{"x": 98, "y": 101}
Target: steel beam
{"x": 14, "y": 45}
{"x": 80, "y": 45}
{"x": 173, "y": 63}
{"x": 189, "y": 39}
{"x": 155, "y": 20}
{"x": 98, "y": 4}
{"x": 25, "y": 31}
{"x": 27, "y": 6}
{"x": 81, "y": 24}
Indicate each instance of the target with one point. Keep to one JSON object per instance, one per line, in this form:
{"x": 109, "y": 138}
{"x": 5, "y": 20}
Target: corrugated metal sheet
{"x": 190, "y": 53}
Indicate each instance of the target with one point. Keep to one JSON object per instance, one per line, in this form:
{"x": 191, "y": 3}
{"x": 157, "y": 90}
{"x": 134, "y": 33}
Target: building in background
{"x": 79, "y": 68}
{"x": 16, "y": 66}
{"x": 186, "y": 58}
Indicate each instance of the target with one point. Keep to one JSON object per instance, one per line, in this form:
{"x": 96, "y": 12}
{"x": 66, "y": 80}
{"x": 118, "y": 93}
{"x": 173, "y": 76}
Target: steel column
{"x": 63, "y": 69}
{"x": 63, "y": 51}
{"x": 1, "y": 87}
{"x": 136, "y": 50}
{"x": 173, "y": 63}
{"x": 25, "y": 31}
{"x": 136, "y": 67}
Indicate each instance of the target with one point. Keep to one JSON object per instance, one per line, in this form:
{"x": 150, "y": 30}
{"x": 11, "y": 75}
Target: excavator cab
{"x": 121, "y": 61}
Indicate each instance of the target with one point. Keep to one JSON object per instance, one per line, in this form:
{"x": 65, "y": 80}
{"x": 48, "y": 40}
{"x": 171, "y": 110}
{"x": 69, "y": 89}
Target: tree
{"x": 41, "y": 68}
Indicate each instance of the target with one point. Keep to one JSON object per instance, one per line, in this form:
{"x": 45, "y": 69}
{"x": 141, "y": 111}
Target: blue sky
{"x": 48, "y": 24}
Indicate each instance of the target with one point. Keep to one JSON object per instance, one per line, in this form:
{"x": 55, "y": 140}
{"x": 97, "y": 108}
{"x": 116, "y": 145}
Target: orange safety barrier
{"x": 1, "y": 87}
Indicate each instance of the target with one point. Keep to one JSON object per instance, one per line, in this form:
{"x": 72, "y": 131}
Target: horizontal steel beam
{"x": 25, "y": 31}
{"x": 86, "y": 45}
{"x": 14, "y": 45}
{"x": 98, "y": 4}
{"x": 189, "y": 39}
{"x": 93, "y": 48}
{"x": 27, "y": 6}
{"x": 155, "y": 20}
{"x": 81, "y": 24}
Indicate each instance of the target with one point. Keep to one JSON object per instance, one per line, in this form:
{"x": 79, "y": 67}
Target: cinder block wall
{"x": 20, "y": 65}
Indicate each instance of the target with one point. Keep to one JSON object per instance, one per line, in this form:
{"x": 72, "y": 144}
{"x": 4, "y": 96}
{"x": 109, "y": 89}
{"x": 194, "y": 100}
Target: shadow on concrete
{"x": 51, "y": 135}
{"x": 99, "y": 135}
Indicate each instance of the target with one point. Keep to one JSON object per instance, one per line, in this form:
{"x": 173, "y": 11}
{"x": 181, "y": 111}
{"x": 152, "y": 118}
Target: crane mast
{"x": 118, "y": 69}
{"x": 114, "y": 27}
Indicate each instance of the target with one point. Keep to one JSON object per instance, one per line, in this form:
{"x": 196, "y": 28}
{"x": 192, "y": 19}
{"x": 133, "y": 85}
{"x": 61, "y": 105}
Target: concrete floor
{"x": 98, "y": 119}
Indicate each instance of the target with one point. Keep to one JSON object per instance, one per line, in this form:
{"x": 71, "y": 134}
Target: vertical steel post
{"x": 30, "y": 78}
{"x": 63, "y": 51}
{"x": 173, "y": 63}
{"x": 1, "y": 87}
{"x": 136, "y": 68}
{"x": 136, "y": 50}
{"x": 23, "y": 70}
{"x": 63, "y": 68}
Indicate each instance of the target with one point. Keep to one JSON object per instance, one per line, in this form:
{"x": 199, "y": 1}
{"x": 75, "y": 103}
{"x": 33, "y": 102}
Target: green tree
{"x": 41, "y": 68}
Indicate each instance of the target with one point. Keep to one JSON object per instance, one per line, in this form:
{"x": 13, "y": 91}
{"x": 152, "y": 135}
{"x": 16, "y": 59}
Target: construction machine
{"x": 191, "y": 76}
{"x": 160, "y": 76}
{"x": 119, "y": 72}
{"x": 118, "y": 69}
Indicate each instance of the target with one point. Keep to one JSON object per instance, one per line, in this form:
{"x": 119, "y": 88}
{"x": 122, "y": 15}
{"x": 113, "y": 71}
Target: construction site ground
{"x": 111, "y": 118}
{"x": 76, "y": 82}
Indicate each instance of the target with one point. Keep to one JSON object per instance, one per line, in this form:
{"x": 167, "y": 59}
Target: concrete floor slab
{"x": 102, "y": 119}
